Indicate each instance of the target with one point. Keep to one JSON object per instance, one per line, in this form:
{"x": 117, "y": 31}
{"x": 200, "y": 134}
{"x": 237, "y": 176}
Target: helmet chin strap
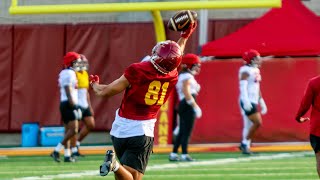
{"x": 152, "y": 60}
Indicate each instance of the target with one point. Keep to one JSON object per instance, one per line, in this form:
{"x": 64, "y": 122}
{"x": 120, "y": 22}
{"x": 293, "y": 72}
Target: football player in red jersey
{"x": 311, "y": 98}
{"x": 147, "y": 86}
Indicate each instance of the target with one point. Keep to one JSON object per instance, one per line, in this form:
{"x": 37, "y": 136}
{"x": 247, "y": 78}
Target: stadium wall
{"x": 31, "y": 58}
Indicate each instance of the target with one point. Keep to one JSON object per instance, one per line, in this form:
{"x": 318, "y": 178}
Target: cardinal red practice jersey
{"x": 148, "y": 90}
{"x": 312, "y": 98}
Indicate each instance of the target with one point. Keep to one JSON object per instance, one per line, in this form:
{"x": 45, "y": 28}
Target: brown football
{"x": 182, "y": 20}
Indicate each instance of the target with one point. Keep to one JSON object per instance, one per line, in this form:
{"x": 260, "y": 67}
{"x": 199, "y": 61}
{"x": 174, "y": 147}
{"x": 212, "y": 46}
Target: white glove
{"x": 77, "y": 113}
{"x": 247, "y": 106}
{"x": 198, "y": 111}
{"x": 176, "y": 131}
{"x": 263, "y": 106}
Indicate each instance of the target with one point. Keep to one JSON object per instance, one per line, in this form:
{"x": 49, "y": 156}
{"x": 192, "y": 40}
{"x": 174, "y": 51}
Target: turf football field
{"x": 213, "y": 165}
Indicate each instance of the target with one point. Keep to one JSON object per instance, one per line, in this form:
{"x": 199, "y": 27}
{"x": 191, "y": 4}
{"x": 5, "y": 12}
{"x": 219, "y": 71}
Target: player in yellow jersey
{"x": 84, "y": 103}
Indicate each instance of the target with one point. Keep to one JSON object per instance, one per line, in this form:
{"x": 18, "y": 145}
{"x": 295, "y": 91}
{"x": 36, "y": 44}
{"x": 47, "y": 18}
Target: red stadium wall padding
{"x": 37, "y": 51}
{"x": 33, "y": 55}
{"x": 283, "y": 84}
{"x": 37, "y": 61}
{"x": 110, "y": 48}
{"x": 6, "y": 75}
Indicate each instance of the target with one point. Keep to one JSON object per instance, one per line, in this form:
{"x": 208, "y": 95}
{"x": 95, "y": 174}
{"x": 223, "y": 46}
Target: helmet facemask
{"x": 75, "y": 65}
{"x": 84, "y": 65}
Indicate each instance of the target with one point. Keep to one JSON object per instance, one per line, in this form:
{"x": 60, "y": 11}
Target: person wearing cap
{"x": 187, "y": 89}
{"x": 69, "y": 109}
{"x": 250, "y": 98}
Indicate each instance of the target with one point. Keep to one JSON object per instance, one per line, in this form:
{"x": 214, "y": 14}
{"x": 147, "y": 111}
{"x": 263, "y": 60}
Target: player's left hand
{"x": 94, "y": 79}
{"x": 263, "y": 106}
{"x": 303, "y": 119}
{"x": 187, "y": 33}
{"x": 197, "y": 111}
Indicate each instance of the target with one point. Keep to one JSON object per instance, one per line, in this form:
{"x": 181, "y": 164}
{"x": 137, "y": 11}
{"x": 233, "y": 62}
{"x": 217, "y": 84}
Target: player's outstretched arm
{"x": 185, "y": 35}
{"x": 111, "y": 89}
{"x": 306, "y": 102}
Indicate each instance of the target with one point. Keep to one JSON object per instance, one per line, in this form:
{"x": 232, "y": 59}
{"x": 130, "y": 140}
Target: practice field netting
{"x": 222, "y": 166}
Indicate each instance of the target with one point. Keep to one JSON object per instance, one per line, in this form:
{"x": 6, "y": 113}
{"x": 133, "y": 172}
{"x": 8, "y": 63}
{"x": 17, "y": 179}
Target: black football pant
{"x": 186, "y": 122}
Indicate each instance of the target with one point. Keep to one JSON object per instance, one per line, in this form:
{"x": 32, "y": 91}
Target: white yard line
{"x": 177, "y": 165}
{"x": 3, "y": 157}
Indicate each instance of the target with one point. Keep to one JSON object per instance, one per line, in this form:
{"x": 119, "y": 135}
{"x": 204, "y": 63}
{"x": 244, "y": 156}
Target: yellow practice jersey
{"x": 83, "y": 79}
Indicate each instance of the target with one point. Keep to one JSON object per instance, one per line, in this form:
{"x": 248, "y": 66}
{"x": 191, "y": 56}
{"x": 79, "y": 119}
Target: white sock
{"x": 116, "y": 167}
{"x": 58, "y": 147}
{"x": 245, "y": 141}
{"x": 173, "y": 154}
{"x": 183, "y": 156}
{"x": 249, "y": 143}
{"x": 78, "y": 143}
{"x": 67, "y": 152}
{"x": 74, "y": 149}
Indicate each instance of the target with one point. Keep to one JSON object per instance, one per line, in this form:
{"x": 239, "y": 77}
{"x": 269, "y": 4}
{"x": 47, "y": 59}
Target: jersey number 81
{"x": 152, "y": 96}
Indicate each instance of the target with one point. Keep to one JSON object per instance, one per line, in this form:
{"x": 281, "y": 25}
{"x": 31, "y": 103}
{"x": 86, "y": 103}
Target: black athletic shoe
{"x": 56, "y": 156}
{"x": 69, "y": 159}
{"x": 245, "y": 149}
{"x": 77, "y": 154}
{"x": 108, "y": 164}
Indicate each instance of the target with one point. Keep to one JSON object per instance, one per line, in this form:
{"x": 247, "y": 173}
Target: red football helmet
{"x": 166, "y": 56}
{"x": 69, "y": 58}
{"x": 250, "y": 55}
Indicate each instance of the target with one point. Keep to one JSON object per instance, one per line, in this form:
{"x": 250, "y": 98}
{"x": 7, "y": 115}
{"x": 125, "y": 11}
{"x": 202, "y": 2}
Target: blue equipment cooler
{"x": 51, "y": 136}
{"x": 29, "y": 135}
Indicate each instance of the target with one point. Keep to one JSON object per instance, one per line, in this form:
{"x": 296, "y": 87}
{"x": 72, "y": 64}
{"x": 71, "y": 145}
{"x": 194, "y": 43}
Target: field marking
{"x": 230, "y": 160}
{"x": 3, "y": 157}
{"x": 177, "y": 165}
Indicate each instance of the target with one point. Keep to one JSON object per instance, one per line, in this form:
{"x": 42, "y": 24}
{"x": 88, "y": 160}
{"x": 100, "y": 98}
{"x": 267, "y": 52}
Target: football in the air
{"x": 182, "y": 20}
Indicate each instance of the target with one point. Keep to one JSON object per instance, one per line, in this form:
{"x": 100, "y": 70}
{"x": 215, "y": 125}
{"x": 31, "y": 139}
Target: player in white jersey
{"x": 69, "y": 109}
{"x": 250, "y": 98}
{"x": 187, "y": 89}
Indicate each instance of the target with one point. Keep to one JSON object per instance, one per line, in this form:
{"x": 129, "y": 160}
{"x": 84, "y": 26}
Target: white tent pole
{"x": 203, "y": 26}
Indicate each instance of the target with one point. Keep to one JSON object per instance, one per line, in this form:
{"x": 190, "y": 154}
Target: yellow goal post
{"x": 154, "y": 7}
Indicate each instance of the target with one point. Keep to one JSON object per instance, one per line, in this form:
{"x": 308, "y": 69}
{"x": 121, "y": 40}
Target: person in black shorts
{"x": 187, "y": 89}
{"x": 250, "y": 98}
{"x": 69, "y": 109}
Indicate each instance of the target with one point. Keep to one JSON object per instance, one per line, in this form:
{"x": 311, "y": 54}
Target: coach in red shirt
{"x": 312, "y": 97}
